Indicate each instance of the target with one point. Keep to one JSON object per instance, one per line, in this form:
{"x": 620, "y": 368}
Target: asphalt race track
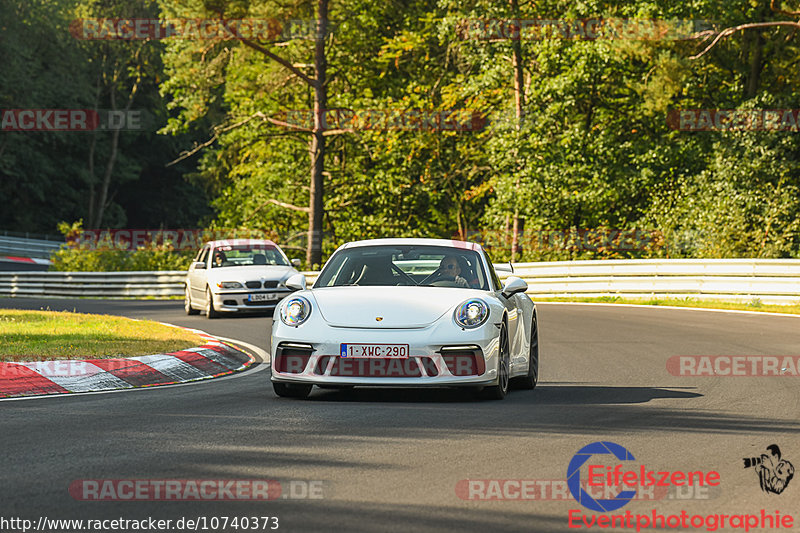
{"x": 390, "y": 460}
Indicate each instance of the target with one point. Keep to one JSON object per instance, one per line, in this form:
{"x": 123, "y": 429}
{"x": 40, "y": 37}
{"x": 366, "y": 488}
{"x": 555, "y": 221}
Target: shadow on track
{"x": 573, "y": 394}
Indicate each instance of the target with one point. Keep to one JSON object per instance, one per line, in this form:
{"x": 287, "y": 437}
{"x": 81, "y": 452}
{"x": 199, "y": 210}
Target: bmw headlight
{"x": 229, "y": 285}
{"x": 295, "y": 311}
{"x": 471, "y": 314}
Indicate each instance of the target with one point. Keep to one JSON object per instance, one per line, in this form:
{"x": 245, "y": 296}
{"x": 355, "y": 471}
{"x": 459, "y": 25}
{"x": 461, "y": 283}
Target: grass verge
{"x": 753, "y": 305}
{"x": 46, "y": 335}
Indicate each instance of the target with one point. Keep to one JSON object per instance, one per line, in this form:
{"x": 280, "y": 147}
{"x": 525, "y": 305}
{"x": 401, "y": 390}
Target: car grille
{"x": 257, "y": 284}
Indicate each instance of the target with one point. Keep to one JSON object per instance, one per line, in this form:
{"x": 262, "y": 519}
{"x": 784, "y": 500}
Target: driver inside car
{"x": 219, "y": 258}
{"x": 450, "y": 270}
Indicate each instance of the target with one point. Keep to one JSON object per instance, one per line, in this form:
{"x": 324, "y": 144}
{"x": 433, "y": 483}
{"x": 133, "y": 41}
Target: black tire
{"x": 499, "y": 391}
{"x": 187, "y": 303}
{"x": 210, "y": 311}
{"x": 291, "y": 390}
{"x": 529, "y": 381}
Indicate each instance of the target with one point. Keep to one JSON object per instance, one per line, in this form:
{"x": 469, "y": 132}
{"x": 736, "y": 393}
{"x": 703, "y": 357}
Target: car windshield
{"x": 247, "y": 255}
{"x": 430, "y": 266}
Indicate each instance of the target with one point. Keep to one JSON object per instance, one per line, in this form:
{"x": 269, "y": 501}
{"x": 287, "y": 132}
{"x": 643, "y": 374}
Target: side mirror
{"x": 296, "y": 282}
{"x": 296, "y": 263}
{"x": 513, "y": 286}
{"x": 199, "y": 265}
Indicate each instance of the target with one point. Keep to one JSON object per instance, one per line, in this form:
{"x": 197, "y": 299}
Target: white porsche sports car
{"x": 237, "y": 275}
{"x": 406, "y": 313}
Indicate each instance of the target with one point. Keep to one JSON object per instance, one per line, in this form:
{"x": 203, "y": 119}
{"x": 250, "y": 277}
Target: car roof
{"x": 450, "y": 243}
{"x": 236, "y": 242}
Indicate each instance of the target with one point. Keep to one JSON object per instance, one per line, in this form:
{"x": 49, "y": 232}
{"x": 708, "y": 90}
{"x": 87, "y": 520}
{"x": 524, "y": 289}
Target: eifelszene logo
{"x": 630, "y": 478}
{"x": 774, "y": 473}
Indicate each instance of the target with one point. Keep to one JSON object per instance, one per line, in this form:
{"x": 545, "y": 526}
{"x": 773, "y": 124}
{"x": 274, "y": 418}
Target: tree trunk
{"x": 518, "y": 104}
{"x": 317, "y": 144}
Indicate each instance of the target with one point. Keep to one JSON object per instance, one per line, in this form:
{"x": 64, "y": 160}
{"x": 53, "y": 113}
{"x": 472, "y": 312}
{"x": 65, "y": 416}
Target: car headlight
{"x": 471, "y": 314}
{"x": 229, "y": 285}
{"x": 295, "y": 311}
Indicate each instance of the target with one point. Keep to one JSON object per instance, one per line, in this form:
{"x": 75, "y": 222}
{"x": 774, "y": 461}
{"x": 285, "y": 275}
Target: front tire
{"x": 210, "y": 311}
{"x": 291, "y": 390}
{"x": 187, "y": 303}
{"x": 499, "y": 391}
{"x": 529, "y": 381}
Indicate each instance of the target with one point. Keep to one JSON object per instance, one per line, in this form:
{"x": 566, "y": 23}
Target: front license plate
{"x": 263, "y": 297}
{"x": 391, "y": 351}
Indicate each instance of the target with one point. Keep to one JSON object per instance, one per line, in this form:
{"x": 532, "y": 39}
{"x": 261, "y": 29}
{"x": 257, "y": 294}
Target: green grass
{"x": 46, "y": 335}
{"x": 753, "y": 305}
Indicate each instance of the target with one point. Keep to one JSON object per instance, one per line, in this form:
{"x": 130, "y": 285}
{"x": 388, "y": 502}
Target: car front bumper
{"x": 232, "y": 301}
{"x": 439, "y": 356}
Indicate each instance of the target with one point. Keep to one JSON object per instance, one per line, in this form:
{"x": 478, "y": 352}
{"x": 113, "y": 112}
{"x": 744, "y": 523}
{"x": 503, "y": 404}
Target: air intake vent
{"x": 464, "y": 360}
{"x": 292, "y": 358}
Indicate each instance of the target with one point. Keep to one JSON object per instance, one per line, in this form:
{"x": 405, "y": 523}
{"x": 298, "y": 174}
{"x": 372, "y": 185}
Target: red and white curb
{"x": 213, "y": 359}
{"x": 28, "y": 260}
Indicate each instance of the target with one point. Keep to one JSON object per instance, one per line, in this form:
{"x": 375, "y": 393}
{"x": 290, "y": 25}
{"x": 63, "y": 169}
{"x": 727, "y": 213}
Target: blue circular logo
{"x": 574, "y": 476}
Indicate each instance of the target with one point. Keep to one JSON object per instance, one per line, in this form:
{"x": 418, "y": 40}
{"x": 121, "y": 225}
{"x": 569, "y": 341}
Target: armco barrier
{"x": 769, "y": 280}
{"x": 22, "y": 247}
{"x": 97, "y": 284}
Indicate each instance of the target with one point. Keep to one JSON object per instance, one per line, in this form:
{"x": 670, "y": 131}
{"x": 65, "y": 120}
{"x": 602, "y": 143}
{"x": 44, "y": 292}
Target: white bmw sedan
{"x": 237, "y": 275}
{"x": 406, "y": 313}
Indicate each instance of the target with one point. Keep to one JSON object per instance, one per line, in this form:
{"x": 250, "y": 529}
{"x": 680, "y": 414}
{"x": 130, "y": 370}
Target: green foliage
{"x": 593, "y": 149}
{"x": 91, "y": 259}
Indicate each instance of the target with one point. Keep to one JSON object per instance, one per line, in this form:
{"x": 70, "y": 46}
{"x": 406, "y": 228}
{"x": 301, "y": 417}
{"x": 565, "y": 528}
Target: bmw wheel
{"x": 210, "y": 311}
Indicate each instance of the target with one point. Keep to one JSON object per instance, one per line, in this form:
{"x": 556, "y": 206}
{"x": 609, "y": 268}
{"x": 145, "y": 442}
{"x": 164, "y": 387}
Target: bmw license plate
{"x": 390, "y": 351}
{"x": 262, "y": 297}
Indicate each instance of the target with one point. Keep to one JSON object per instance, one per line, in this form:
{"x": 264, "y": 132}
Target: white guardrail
{"x": 768, "y": 280}
{"x": 23, "y": 247}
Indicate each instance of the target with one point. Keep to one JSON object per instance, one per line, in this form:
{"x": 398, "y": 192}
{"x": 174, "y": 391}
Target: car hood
{"x": 398, "y": 307}
{"x": 250, "y": 273}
